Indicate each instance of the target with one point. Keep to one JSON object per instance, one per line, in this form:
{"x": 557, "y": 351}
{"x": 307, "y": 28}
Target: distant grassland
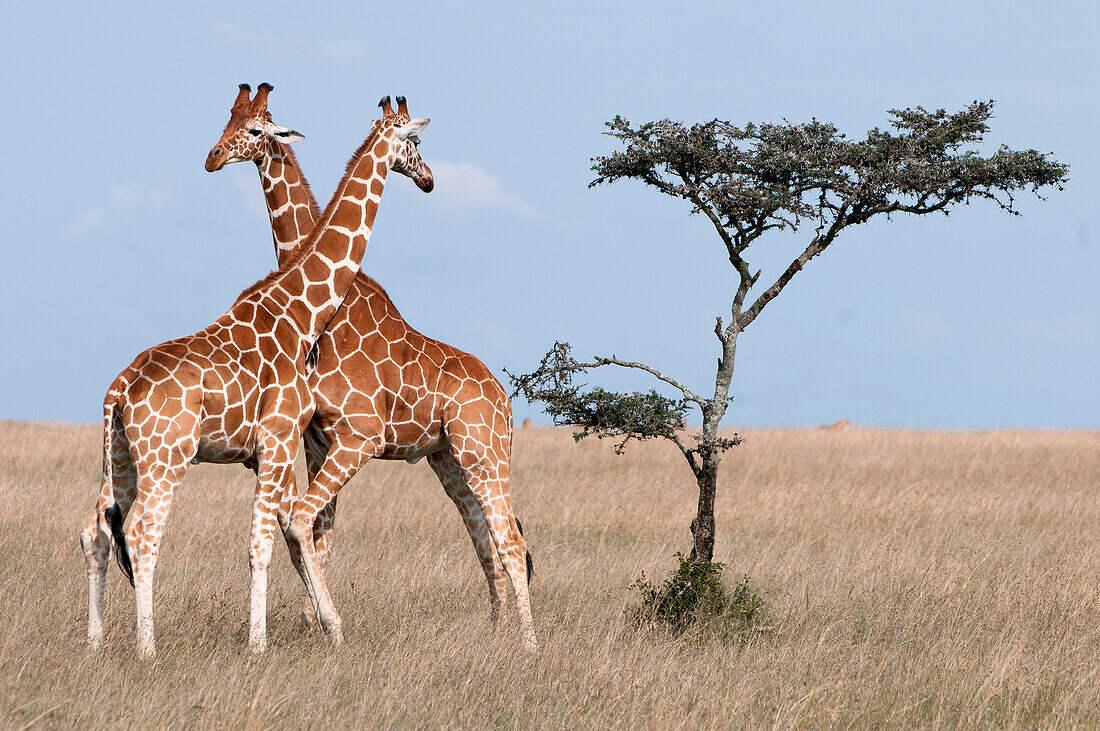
{"x": 911, "y": 578}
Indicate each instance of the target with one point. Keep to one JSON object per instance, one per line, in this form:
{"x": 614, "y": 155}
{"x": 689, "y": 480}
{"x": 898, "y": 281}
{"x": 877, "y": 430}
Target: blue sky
{"x": 115, "y": 238}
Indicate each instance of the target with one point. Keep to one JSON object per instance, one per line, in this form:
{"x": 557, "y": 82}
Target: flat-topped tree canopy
{"x": 770, "y": 176}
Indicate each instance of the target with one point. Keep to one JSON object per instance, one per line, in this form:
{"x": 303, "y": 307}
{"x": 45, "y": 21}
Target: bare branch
{"x": 689, "y": 453}
{"x": 688, "y": 394}
{"x": 733, "y": 251}
{"x": 718, "y": 330}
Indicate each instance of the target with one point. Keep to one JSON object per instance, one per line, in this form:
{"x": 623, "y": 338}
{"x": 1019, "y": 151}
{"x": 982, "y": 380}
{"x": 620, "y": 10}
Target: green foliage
{"x": 695, "y": 594}
{"x": 760, "y": 177}
{"x": 637, "y": 415}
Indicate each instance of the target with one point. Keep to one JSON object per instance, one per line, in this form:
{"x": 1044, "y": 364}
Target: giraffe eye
{"x": 254, "y": 132}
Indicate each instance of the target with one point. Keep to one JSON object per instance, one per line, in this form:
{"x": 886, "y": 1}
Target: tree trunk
{"x": 702, "y": 528}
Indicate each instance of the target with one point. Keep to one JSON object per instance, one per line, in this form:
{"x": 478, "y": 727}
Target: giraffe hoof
{"x": 530, "y": 645}
{"x": 333, "y": 631}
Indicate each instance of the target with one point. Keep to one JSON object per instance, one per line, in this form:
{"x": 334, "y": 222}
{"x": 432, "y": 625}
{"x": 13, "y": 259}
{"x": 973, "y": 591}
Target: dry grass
{"x": 913, "y": 578}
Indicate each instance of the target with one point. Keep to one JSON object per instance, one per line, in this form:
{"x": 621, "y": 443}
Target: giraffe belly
{"x": 413, "y": 453}
{"x": 225, "y": 441}
{"x": 220, "y": 451}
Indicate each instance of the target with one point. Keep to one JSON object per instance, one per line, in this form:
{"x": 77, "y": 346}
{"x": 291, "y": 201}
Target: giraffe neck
{"x": 290, "y": 202}
{"x": 318, "y": 275}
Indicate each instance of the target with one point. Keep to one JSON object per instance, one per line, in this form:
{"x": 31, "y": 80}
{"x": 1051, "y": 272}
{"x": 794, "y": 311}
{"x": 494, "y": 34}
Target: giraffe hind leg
{"x": 530, "y": 561}
{"x": 118, "y": 489}
{"x": 157, "y": 483}
{"x": 486, "y": 475}
{"x": 454, "y": 484}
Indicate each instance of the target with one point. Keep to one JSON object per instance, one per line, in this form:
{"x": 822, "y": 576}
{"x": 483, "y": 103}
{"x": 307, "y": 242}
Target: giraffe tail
{"x": 115, "y": 519}
{"x": 530, "y": 561}
{"x": 113, "y": 514}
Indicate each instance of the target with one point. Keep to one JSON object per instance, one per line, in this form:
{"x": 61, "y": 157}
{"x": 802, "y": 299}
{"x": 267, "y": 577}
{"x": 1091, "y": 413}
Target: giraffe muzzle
{"x": 215, "y": 161}
{"x": 426, "y": 181}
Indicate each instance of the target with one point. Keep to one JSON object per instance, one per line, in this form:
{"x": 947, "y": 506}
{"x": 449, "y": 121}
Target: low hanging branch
{"x": 638, "y": 415}
{"x": 748, "y": 181}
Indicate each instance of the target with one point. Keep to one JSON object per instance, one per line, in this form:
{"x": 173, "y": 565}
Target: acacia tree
{"x": 760, "y": 178}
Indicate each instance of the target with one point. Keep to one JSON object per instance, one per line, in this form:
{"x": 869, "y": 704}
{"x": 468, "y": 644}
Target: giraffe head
{"x": 406, "y": 139}
{"x": 249, "y": 129}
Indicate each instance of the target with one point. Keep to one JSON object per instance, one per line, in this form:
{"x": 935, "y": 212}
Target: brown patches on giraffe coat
{"x": 279, "y": 197}
{"x": 322, "y": 237}
{"x": 382, "y": 390}
{"x": 255, "y": 352}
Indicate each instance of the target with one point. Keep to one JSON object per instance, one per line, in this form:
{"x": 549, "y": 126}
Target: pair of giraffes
{"x": 314, "y": 352}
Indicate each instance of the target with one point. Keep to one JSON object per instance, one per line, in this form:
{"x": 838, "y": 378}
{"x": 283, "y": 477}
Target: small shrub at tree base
{"x": 696, "y": 595}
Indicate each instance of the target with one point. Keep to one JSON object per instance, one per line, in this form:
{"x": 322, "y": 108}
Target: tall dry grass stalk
{"x": 912, "y": 578}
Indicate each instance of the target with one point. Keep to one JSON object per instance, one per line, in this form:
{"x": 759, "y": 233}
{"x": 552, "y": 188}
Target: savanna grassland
{"x": 911, "y": 578}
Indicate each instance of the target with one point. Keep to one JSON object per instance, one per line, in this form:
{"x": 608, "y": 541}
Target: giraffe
{"x": 250, "y": 135}
{"x": 235, "y": 391}
{"x": 383, "y": 389}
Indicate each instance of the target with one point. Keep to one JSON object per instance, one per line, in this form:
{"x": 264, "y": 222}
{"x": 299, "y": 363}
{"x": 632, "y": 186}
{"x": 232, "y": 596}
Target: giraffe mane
{"x": 375, "y": 286}
{"x": 318, "y": 228}
{"x": 313, "y": 205}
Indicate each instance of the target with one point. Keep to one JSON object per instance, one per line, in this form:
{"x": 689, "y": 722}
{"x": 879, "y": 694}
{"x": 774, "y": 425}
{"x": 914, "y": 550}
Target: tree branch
{"x": 734, "y": 251}
{"x": 816, "y": 246}
{"x": 688, "y": 394}
{"x": 689, "y": 454}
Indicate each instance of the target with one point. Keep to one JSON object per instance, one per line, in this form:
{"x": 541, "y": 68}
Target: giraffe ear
{"x": 282, "y": 134}
{"x": 412, "y": 127}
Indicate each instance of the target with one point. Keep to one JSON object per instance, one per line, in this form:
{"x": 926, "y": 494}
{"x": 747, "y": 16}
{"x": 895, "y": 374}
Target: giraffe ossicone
{"x": 385, "y": 391}
{"x": 235, "y": 391}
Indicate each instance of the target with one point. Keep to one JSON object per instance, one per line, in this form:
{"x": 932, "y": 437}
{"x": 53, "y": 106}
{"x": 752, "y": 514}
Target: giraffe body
{"x": 234, "y": 392}
{"x": 385, "y": 391}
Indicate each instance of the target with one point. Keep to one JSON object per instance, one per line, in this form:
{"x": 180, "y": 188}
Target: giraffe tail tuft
{"x": 115, "y": 519}
{"x": 530, "y": 561}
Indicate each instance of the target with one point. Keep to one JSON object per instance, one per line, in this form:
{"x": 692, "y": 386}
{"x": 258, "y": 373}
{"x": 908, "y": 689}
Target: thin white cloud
{"x": 1063, "y": 330}
{"x": 921, "y": 328}
{"x": 122, "y": 201}
{"x": 466, "y": 189}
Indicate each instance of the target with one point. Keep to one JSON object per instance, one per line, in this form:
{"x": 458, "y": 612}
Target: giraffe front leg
{"x": 275, "y": 481}
{"x": 340, "y": 465}
{"x": 316, "y": 448}
{"x": 309, "y": 567}
{"x": 322, "y": 544}
{"x": 143, "y": 539}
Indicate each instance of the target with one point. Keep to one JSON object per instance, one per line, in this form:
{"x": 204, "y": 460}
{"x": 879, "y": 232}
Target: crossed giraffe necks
{"x": 356, "y": 329}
